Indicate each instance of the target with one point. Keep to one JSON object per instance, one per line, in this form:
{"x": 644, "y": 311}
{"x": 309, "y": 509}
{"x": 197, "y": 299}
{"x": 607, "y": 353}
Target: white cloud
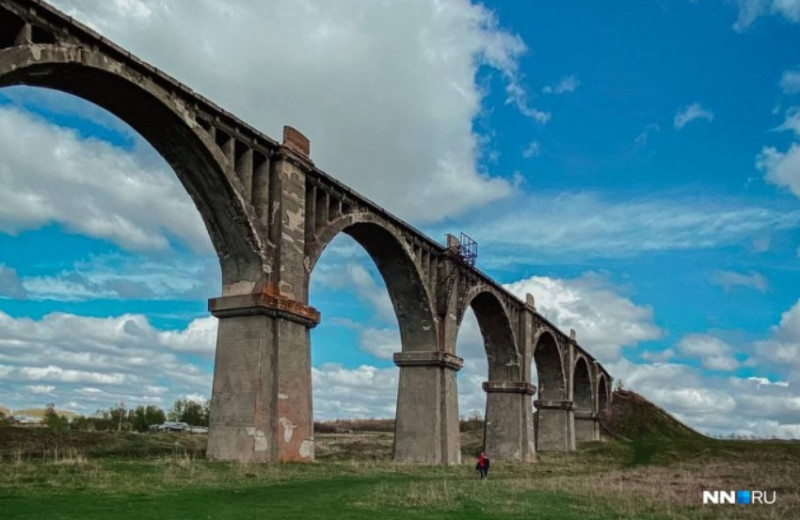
{"x": 10, "y": 284}
{"x": 592, "y": 226}
{"x": 362, "y": 112}
{"x": 363, "y": 392}
{"x": 565, "y": 85}
{"x": 691, "y": 113}
{"x": 533, "y": 149}
{"x": 715, "y": 405}
{"x": 50, "y": 174}
{"x": 381, "y": 343}
{"x": 115, "y": 276}
{"x": 714, "y": 353}
{"x": 42, "y": 389}
{"x": 790, "y": 81}
{"x": 791, "y": 122}
{"x": 750, "y": 10}
{"x": 99, "y": 362}
{"x": 730, "y": 279}
{"x": 605, "y": 321}
{"x": 782, "y": 349}
{"x": 781, "y": 168}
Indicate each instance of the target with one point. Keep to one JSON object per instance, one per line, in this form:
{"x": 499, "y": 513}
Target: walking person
{"x": 483, "y": 465}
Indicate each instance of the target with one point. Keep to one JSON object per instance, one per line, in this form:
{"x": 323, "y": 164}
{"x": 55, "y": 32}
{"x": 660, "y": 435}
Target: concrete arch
{"x": 549, "y": 368}
{"x": 409, "y": 295}
{"x": 582, "y": 393}
{"x": 602, "y": 393}
{"x": 499, "y": 340}
{"x": 166, "y": 124}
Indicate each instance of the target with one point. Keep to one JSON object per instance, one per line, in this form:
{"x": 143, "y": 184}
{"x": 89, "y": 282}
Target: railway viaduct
{"x": 270, "y": 213}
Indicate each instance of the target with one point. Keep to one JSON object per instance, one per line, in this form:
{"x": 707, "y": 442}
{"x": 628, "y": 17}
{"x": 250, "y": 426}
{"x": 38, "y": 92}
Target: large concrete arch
{"x": 550, "y": 371}
{"x": 270, "y": 212}
{"x": 583, "y": 397}
{"x": 165, "y": 124}
{"x": 424, "y": 368}
{"x": 508, "y": 395}
{"x": 554, "y": 409}
{"x": 497, "y": 331}
{"x": 407, "y": 291}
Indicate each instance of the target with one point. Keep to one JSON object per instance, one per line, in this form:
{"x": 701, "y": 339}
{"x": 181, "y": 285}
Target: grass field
{"x": 659, "y": 474}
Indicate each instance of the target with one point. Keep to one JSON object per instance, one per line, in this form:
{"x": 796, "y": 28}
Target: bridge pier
{"x": 261, "y": 407}
{"x": 508, "y": 433}
{"x": 555, "y": 426}
{"x": 586, "y": 426}
{"x": 426, "y": 423}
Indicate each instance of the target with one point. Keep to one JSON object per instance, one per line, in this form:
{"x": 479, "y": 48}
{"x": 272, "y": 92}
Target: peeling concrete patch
{"x": 288, "y": 428}
{"x": 261, "y": 442}
{"x": 307, "y": 449}
{"x": 243, "y": 287}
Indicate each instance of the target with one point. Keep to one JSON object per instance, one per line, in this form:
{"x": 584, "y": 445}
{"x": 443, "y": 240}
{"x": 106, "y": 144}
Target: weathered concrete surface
{"x": 270, "y": 213}
{"x": 426, "y": 429}
{"x": 586, "y": 426}
{"x": 242, "y": 406}
{"x": 555, "y": 423}
{"x": 506, "y": 433}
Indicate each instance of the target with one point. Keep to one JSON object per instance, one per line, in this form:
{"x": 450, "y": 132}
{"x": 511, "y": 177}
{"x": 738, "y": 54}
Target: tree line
{"x": 120, "y": 418}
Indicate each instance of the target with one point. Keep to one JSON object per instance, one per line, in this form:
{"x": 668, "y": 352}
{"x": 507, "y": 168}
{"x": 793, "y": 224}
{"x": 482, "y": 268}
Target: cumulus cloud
{"x": 716, "y": 405}
{"x": 604, "y": 319}
{"x": 714, "y": 353}
{"x": 691, "y": 113}
{"x": 381, "y": 343}
{"x": 565, "y": 85}
{"x": 782, "y": 349}
{"x": 331, "y": 79}
{"x": 98, "y": 362}
{"x": 781, "y": 168}
{"x": 363, "y": 392}
{"x": 51, "y": 174}
{"x": 730, "y": 279}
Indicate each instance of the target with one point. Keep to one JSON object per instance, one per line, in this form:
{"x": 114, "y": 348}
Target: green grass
{"x": 182, "y": 488}
{"x": 657, "y": 472}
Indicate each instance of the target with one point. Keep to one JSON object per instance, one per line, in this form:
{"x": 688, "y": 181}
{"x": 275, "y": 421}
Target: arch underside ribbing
{"x": 136, "y": 101}
{"x": 549, "y": 369}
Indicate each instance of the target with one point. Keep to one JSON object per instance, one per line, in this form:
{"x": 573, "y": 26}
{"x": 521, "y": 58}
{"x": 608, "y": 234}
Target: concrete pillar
{"x": 586, "y": 426}
{"x": 261, "y": 399}
{"x": 555, "y": 426}
{"x": 426, "y": 427}
{"x": 261, "y": 405}
{"x": 508, "y": 406}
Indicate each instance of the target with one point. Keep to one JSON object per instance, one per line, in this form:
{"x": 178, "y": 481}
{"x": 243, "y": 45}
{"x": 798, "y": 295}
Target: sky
{"x": 635, "y": 168}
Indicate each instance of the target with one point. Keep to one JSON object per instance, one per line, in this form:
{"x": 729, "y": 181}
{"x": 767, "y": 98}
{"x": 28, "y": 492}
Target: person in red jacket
{"x": 483, "y": 465}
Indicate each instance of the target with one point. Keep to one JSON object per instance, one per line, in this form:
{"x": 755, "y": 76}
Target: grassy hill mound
{"x": 649, "y": 434}
{"x": 632, "y": 417}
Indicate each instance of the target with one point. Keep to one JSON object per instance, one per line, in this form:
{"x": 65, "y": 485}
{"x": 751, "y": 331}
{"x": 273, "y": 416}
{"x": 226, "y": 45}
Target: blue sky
{"x": 636, "y": 168}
